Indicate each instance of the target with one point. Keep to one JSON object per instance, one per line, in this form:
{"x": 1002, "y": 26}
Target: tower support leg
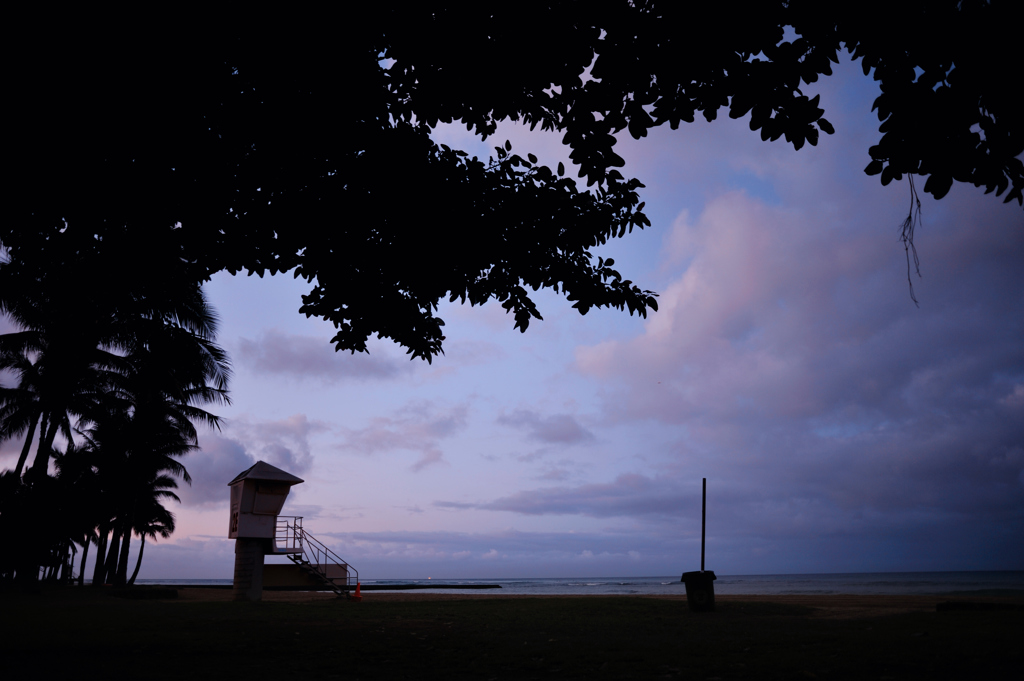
{"x": 248, "y": 582}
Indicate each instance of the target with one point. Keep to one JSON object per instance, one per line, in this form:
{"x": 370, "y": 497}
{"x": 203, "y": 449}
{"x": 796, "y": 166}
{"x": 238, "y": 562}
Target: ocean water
{"x": 896, "y": 583}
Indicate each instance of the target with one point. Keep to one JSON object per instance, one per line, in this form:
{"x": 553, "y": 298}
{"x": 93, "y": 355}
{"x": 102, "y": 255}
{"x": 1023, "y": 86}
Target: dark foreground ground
{"x": 85, "y": 634}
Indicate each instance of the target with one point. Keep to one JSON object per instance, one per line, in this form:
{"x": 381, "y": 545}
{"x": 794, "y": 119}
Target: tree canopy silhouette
{"x": 305, "y": 145}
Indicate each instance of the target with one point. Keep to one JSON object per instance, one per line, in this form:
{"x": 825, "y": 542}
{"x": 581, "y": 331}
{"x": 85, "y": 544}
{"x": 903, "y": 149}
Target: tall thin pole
{"x": 703, "y": 518}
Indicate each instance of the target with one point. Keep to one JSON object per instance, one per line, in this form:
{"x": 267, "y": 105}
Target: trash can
{"x": 700, "y": 590}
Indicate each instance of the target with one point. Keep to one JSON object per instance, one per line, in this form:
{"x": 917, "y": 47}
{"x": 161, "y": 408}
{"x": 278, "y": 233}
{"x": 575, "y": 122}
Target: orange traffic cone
{"x": 358, "y": 595}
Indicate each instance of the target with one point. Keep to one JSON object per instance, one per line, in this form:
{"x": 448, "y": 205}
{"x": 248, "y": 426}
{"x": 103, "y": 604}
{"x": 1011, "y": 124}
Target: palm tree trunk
{"x": 58, "y": 568}
{"x": 138, "y": 563}
{"x": 68, "y": 576}
{"x": 85, "y": 555}
{"x": 110, "y": 565}
{"x": 44, "y": 422}
{"x": 98, "y": 574}
{"x": 47, "y": 435}
{"x": 67, "y": 568}
{"x": 28, "y": 445}
{"x": 56, "y": 560}
{"x": 122, "y": 562}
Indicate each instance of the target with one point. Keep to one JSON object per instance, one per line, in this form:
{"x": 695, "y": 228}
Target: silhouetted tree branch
{"x": 304, "y": 145}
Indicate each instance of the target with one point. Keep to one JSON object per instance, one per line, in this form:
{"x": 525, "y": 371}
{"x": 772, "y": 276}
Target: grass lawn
{"x": 84, "y": 634}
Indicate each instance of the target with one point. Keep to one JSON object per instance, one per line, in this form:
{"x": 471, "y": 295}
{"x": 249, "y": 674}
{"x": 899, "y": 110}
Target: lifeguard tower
{"x": 257, "y": 497}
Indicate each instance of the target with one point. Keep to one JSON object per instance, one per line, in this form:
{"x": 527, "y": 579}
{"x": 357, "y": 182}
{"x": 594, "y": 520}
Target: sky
{"x": 841, "y": 427}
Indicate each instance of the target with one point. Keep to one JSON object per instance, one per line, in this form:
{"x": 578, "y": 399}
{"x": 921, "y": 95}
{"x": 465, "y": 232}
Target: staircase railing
{"x": 288, "y": 534}
{"x": 290, "y": 538}
{"x": 321, "y": 558}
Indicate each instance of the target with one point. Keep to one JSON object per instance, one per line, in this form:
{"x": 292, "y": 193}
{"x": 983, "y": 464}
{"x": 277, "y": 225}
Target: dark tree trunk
{"x": 98, "y": 573}
{"x": 85, "y": 555}
{"x": 126, "y": 542}
{"x": 46, "y": 435}
{"x": 138, "y": 563}
{"x": 122, "y": 562}
{"x": 67, "y": 568}
{"x": 68, "y": 576}
{"x": 110, "y": 564}
{"x": 27, "y": 447}
{"x": 60, "y": 559}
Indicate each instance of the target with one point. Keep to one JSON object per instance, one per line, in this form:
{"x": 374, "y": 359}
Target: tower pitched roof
{"x": 262, "y": 470}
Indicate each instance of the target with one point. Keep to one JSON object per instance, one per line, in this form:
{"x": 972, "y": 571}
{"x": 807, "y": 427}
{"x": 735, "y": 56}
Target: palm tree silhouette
{"x": 64, "y": 375}
{"x": 126, "y": 371}
{"x": 19, "y": 407}
{"x": 173, "y": 367}
{"x": 152, "y": 519}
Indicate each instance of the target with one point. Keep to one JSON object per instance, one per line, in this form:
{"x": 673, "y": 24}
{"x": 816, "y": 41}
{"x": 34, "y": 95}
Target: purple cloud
{"x": 628, "y": 495}
{"x": 314, "y": 357}
{"x": 471, "y": 353}
{"x": 792, "y": 366}
{"x": 525, "y": 553}
{"x": 561, "y": 429}
{"x": 284, "y": 443}
{"x": 212, "y": 468}
{"x": 417, "y": 427}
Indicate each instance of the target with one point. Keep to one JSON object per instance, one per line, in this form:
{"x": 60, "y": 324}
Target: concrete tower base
{"x": 248, "y": 582}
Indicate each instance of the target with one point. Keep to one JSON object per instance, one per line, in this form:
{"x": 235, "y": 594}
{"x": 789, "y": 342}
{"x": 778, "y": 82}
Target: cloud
{"x": 472, "y": 353}
{"x": 276, "y": 352}
{"x": 511, "y": 553}
{"x": 628, "y": 495}
{"x": 211, "y": 469}
{"x": 283, "y": 443}
{"x": 836, "y": 496}
{"x": 1015, "y": 399}
{"x": 508, "y": 545}
{"x": 752, "y": 319}
{"x": 555, "y": 429}
{"x": 417, "y": 427}
{"x": 793, "y": 370}
{"x": 555, "y": 474}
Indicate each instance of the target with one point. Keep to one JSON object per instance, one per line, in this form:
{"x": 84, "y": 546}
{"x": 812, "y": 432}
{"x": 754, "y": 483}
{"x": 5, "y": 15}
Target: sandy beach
{"x": 832, "y": 606}
{"x": 201, "y": 633}
{"x": 837, "y": 605}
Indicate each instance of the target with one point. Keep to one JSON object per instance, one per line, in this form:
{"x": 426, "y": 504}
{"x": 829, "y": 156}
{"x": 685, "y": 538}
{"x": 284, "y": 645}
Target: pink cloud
{"x": 417, "y": 427}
